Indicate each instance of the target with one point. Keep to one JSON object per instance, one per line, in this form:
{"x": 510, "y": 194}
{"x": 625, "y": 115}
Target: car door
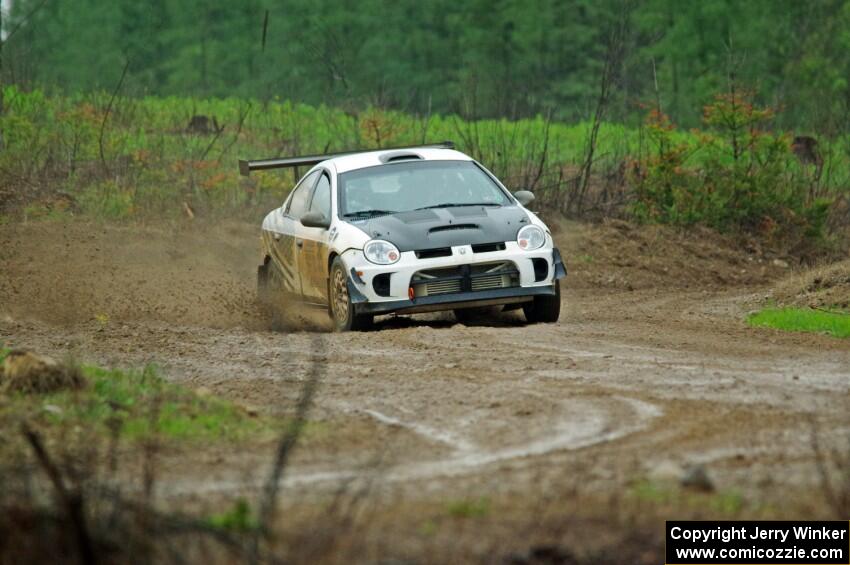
{"x": 284, "y": 246}
{"x": 312, "y": 245}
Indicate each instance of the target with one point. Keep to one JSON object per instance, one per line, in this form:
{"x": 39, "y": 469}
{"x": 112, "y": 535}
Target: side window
{"x": 322, "y": 197}
{"x": 301, "y": 196}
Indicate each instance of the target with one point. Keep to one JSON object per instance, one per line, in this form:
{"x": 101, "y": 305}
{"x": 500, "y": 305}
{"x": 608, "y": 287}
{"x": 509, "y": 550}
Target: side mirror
{"x": 315, "y": 220}
{"x": 525, "y": 197}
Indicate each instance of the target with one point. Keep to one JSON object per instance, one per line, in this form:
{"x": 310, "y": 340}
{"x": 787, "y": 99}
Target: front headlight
{"x": 530, "y": 238}
{"x": 381, "y": 252}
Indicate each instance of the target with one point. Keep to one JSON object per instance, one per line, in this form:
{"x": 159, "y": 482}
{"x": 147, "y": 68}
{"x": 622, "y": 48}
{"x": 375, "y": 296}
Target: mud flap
{"x": 558, "y": 264}
{"x": 354, "y": 293}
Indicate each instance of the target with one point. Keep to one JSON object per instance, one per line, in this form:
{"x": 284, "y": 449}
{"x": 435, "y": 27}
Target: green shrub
{"x": 733, "y": 176}
{"x": 136, "y": 158}
{"x": 142, "y": 404}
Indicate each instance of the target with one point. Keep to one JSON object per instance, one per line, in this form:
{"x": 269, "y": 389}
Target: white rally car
{"x": 406, "y": 230}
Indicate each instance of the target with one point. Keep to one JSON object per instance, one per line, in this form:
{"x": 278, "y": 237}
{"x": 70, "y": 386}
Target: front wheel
{"x": 341, "y": 309}
{"x": 544, "y": 309}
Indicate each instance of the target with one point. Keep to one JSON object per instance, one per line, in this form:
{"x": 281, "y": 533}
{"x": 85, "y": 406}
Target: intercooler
{"x": 465, "y": 278}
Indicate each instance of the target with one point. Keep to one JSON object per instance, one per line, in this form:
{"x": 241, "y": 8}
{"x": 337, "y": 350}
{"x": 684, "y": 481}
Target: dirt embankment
{"x": 78, "y": 272}
{"x": 619, "y": 255}
{"x": 825, "y": 286}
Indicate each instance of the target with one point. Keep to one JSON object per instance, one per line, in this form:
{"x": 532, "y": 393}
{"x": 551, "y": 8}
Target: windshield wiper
{"x": 459, "y": 204}
{"x": 368, "y": 213}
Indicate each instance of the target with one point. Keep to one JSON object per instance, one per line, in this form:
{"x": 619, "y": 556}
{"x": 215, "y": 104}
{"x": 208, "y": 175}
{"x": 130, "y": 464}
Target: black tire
{"x": 270, "y": 295}
{"x": 340, "y": 308}
{"x": 544, "y": 309}
{"x": 263, "y": 283}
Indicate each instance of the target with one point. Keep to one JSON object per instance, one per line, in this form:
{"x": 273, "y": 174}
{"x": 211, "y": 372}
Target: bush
{"x": 733, "y": 176}
{"x": 142, "y": 157}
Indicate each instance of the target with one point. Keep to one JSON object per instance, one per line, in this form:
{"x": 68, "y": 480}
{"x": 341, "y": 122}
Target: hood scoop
{"x": 453, "y": 227}
{"x": 430, "y": 229}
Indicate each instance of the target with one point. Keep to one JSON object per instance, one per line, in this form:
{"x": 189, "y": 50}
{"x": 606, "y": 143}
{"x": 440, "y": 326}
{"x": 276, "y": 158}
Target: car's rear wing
{"x": 246, "y": 166}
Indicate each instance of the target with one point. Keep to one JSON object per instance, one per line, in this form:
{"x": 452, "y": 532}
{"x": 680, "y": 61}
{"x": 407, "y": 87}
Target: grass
{"x": 239, "y": 518}
{"x": 139, "y": 160}
{"x": 142, "y": 161}
{"x": 466, "y": 508}
{"x": 723, "y": 503}
{"x": 836, "y": 324}
{"x": 138, "y": 404}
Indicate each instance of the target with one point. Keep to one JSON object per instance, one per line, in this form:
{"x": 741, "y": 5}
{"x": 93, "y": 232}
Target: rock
{"x": 203, "y": 125}
{"x": 667, "y": 472}
{"x": 696, "y": 477}
{"x": 543, "y": 554}
{"x": 780, "y": 263}
{"x": 24, "y": 371}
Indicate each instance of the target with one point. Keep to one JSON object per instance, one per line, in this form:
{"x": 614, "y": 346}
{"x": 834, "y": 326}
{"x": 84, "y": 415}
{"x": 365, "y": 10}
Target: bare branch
{"x": 23, "y": 21}
{"x": 71, "y": 501}
{"x": 106, "y": 115}
{"x": 286, "y": 445}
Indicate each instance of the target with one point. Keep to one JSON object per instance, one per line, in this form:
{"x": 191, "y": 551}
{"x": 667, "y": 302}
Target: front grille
{"x": 465, "y": 278}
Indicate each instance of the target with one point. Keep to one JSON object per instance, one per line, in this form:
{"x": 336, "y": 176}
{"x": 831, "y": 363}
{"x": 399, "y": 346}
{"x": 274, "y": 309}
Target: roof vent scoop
{"x": 246, "y": 166}
{"x": 399, "y": 156}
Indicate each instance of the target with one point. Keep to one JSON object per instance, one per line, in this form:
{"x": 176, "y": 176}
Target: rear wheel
{"x": 341, "y": 309}
{"x": 263, "y": 282}
{"x": 544, "y": 309}
{"x": 269, "y": 293}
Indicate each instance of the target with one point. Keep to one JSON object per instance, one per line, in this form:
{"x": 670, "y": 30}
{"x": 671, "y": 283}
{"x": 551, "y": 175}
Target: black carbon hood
{"x": 445, "y": 227}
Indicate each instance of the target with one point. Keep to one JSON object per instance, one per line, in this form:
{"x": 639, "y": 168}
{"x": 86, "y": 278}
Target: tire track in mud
{"x": 590, "y": 422}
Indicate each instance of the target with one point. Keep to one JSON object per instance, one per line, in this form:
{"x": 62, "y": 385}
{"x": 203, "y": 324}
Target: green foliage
{"x": 151, "y": 165}
{"x": 836, "y": 324}
{"x": 732, "y": 176}
{"x": 512, "y": 58}
{"x": 725, "y": 502}
{"x": 148, "y": 405}
{"x": 238, "y": 519}
{"x": 138, "y": 405}
{"x": 469, "y": 508}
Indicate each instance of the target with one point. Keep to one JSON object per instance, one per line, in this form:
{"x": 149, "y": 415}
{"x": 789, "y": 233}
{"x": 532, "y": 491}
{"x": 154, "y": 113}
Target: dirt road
{"x": 651, "y": 365}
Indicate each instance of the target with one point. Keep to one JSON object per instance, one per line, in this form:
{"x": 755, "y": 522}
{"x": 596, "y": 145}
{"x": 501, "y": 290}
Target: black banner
{"x": 758, "y": 543}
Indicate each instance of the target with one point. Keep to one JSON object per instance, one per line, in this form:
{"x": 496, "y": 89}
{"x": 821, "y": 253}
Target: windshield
{"x": 414, "y": 185}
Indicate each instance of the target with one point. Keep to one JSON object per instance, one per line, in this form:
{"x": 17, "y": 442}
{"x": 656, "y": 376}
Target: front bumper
{"x": 449, "y": 301}
{"x": 366, "y": 300}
